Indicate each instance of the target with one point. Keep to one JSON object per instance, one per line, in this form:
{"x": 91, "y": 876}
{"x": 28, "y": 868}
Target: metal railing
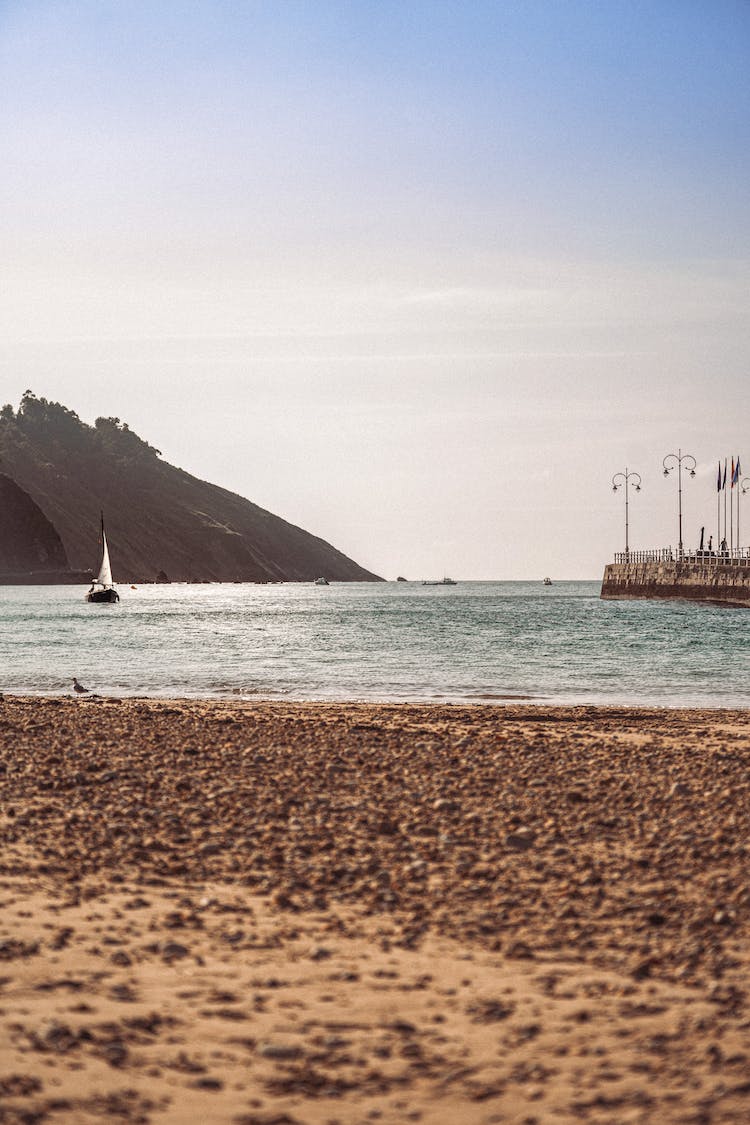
{"x": 738, "y": 556}
{"x": 660, "y": 554}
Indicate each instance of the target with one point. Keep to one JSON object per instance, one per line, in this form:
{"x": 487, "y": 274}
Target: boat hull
{"x": 107, "y": 597}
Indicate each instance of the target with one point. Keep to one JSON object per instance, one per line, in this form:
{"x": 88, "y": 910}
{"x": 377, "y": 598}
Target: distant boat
{"x": 442, "y": 582}
{"x": 322, "y": 582}
{"x": 102, "y": 589}
{"x": 547, "y": 581}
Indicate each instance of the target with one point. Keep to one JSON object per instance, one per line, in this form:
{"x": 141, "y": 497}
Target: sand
{"x": 275, "y": 914}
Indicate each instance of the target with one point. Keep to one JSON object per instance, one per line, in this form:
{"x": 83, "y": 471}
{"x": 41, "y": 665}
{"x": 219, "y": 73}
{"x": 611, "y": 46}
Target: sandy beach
{"x": 281, "y": 914}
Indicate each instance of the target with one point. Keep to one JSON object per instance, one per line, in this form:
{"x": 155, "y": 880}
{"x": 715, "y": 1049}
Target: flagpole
{"x": 724, "y": 490}
{"x": 731, "y": 511}
{"x": 718, "y": 512}
{"x": 742, "y": 489}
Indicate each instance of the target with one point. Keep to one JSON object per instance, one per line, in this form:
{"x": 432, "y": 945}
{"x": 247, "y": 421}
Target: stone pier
{"x": 717, "y": 583}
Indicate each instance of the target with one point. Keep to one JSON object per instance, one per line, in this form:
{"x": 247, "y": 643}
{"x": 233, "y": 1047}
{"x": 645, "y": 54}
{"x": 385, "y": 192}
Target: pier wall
{"x": 720, "y": 584}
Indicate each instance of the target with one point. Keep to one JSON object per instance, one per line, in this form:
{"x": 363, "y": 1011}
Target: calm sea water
{"x": 478, "y": 641}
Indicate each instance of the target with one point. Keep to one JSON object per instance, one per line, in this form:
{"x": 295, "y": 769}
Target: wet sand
{"x": 275, "y": 914}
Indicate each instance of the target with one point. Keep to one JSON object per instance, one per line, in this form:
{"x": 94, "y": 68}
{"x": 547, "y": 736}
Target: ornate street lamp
{"x": 678, "y": 458}
{"x": 625, "y": 480}
{"x": 744, "y": 483}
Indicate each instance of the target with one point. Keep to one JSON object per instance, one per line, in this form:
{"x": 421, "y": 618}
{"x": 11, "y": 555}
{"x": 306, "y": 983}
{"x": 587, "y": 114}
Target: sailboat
{"x": 102, "y": 589}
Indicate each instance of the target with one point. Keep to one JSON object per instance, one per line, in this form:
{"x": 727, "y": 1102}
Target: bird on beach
{"x": 79, "y": 688}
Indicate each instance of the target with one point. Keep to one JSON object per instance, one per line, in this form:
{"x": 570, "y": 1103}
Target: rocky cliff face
{"x": 28, "y": 541}
{"x": 158, "y": 517}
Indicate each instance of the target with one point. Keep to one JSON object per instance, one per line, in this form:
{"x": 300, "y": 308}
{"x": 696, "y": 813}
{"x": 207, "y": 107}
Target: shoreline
{"x": 500, "y": 703}
{"x": 517, "y": 708}
{"x": 315, "y": 912}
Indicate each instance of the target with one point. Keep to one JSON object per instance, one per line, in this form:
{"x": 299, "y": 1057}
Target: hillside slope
{"x": 158, "y": 517}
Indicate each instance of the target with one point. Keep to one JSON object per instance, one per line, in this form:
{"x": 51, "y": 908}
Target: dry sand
{"x": 266, "y": 914}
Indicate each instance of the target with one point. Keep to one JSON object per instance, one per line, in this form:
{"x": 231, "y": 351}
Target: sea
{"x": 476, "y": 642}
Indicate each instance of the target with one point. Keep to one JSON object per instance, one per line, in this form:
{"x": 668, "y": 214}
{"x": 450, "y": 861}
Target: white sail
{"x": 105, "y": 572}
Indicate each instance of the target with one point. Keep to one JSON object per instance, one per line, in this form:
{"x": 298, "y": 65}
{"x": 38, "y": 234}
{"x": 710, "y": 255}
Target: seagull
{"x": 79, "y": 688}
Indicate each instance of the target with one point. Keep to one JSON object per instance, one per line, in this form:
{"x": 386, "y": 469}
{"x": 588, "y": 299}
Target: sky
{"x": 420, "y": 277}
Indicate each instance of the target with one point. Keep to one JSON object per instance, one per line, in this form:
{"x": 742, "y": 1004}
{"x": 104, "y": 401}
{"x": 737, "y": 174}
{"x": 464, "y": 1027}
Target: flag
{"x": 724, "y": 482}
{"x": 736, "y": 473}
{"x": 718, "y": 479}
{"x": 732, "y": 476}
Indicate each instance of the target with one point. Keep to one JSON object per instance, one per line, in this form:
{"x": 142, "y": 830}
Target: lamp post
{"x": 678, "y": 458}
{"x": 624, "y": 480}
{"x": 744, "y": 483}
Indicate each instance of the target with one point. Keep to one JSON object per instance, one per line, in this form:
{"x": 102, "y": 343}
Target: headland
{"x": 59, "y": 475}
{"x": 300, "y": 913}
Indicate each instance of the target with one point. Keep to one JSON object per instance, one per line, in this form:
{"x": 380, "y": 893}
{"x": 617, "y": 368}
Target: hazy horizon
{"x": 419, "y": 278}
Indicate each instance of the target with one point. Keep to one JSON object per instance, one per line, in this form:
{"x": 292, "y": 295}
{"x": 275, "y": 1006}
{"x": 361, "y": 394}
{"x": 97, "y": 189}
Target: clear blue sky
{"x": 418, "y": 276}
